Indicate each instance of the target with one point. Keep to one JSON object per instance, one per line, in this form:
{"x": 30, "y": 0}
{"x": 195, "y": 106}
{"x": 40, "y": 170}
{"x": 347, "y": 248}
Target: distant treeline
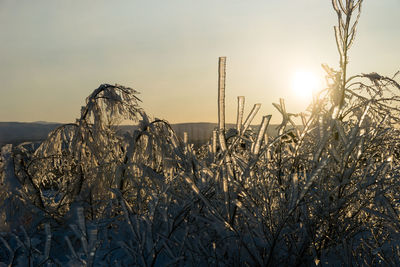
{"x": 18, "y": 132}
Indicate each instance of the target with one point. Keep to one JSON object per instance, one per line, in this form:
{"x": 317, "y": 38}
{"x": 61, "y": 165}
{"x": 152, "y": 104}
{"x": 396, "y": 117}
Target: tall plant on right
{"x": 328, "y": 187}
{"x": 354, "y": 200}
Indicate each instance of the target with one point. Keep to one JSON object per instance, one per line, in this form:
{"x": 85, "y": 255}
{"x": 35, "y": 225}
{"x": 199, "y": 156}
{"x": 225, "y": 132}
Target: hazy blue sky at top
{"x": 54, "y": 53}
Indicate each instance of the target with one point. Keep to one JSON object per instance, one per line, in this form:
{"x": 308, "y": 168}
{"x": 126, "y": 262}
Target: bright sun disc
{"x": 304, "y": 83}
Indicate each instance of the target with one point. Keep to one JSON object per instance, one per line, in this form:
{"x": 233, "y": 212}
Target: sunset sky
{"x": 55, "y": 53}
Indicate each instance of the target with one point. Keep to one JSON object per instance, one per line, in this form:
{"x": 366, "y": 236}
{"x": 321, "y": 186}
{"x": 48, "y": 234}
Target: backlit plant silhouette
{"x": 323, "y": 192}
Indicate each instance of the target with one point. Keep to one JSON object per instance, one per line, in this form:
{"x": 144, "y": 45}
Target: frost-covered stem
{"x": 93, "y": 244}
{"x": 240, "y": 110}
{"x": 9, "y": 173}
{"x": 221, "y": 129}
{"x": 221, "y": 102}
{"x": 344, "y": 35}
{"x": 344, "y": 60}
{"x": 214, "y": 142}
{"x": 261, "y": 132}
{"x": 82, "y": 228}
{"x": 76, "y": 190}
{"x": 250, "y": 117}
{"x": 185, "y": 138}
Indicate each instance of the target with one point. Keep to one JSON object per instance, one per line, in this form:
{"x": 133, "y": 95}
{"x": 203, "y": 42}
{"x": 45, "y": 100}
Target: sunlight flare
{"x": 304, "y": 84}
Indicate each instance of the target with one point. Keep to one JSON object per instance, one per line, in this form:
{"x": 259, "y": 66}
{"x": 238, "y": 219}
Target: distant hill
{"x": 18, "y": 132}
{"x": 201, "y": 132}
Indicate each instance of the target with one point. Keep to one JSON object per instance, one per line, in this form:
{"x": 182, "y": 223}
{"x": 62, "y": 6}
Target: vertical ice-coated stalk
{"x": 221, "y": 128}
{"x": 221, "y": 102}
{"x": 185, "y": 138}
{"x": 240, "y": 109}
{"x": 214, "y": 142}
{"x": 261, "y": 132}
{"x": 250, "y": 117}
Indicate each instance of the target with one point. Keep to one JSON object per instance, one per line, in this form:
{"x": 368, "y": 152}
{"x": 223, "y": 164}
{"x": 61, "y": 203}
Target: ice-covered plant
{"x": 323, "y": 192}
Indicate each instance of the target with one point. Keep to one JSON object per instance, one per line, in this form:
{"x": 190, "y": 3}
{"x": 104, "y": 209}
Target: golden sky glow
{"x": 54, "y": 53}
{"x": 305, "y": 83}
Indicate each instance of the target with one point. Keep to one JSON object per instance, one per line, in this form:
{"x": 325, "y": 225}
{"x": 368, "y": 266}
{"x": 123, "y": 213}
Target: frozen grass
{"x": 322, "y": 193}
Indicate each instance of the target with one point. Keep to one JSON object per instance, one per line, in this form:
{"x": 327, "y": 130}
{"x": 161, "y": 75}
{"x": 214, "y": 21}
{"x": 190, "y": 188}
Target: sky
{"x": 54, "y": 53}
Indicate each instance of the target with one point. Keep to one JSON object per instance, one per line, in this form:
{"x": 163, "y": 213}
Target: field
{"x": 322, "y": 192}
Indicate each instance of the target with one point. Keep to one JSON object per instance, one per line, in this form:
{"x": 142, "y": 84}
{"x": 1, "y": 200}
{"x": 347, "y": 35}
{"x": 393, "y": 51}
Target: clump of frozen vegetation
{"x": 323, "y": 192}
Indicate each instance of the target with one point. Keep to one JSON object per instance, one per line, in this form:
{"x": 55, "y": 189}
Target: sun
{"x": 304, "y": 83}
